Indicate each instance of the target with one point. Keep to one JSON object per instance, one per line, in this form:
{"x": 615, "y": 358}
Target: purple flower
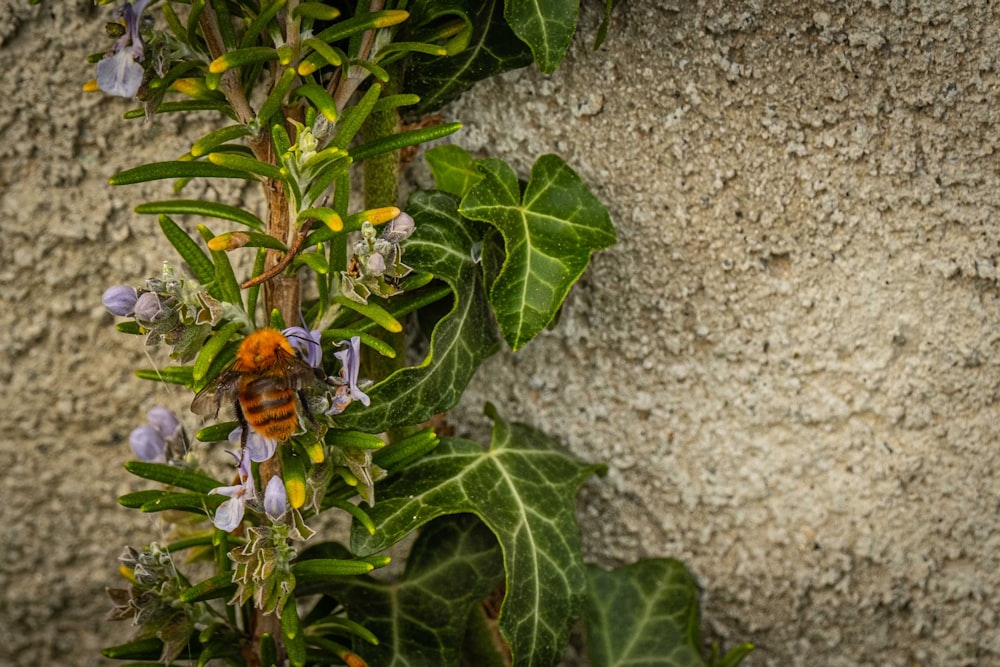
{"x": 307, "y": 343}
{"x": 148, "y": 308}
{"x": 164, "y": 421}
{"x": 399, "y": 228}
{"x": 376, "y": 264}
{"x": 148, "y": 444}
{"x": 120, "y": 73}
{"x": 151, "y": 442}
{"x": 348, "y": 390}
{"x": 275, "y": 498}
{"x": 257, "y": 446}
{"x": 120, "y": 300}
{"x": 229, "y": 515}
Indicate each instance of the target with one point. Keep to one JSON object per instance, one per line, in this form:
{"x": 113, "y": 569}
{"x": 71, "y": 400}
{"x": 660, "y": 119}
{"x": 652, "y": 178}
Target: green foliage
{"x": 546, "y": 26}
{"x": 463, "y": 337}
{"x": 647, "y": 613}
{"x": 334, "y": 414}
{"x": 453, "y": 566}
{"x": 523, "y": 489}
{"x": 489, "y": 47}
{"x": 549, "y": 233}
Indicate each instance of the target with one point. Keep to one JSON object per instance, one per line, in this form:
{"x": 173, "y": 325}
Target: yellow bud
{"x": 128, "y": 573}
{"x": 315, "y": 451}
{"x": 347, "y": 476}
{"x": 379, "y": 216}
{"x": 219, "y": 65}
{"x": 91, "y": 86}
{"x": 293, "y": 473}
{"x": 189, "y": 87}
{"x": 392, "y": 17}
{"x": 296, "y": 490}
{"x": 334, "y": 223}
{"x": 229, "y": 241}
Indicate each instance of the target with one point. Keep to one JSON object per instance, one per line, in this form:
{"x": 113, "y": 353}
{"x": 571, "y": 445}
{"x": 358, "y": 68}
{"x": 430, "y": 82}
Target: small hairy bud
{"x": 120, "y": 300}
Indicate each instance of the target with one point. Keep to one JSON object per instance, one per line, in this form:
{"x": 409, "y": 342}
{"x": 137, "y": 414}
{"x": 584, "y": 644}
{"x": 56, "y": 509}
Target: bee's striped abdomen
{"x": 270, "y": 412}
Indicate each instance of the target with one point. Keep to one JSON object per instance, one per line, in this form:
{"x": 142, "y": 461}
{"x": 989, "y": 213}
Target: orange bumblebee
{"x": 263, "y": 383}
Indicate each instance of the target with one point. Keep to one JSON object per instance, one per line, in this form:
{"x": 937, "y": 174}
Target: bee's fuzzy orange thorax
{"x": 262, "y": 350}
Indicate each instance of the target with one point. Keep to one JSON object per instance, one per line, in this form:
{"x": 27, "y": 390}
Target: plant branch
{"x": 283, "y": 263}
{"x": 347, "y": 86}
{"x": 229, "y": 83}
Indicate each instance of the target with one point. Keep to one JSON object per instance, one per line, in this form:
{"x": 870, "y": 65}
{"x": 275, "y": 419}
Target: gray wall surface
{"x": 789, "y": 362}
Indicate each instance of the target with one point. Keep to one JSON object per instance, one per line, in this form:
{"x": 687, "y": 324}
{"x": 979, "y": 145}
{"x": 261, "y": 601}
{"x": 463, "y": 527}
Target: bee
{"x": 263, "y": 382}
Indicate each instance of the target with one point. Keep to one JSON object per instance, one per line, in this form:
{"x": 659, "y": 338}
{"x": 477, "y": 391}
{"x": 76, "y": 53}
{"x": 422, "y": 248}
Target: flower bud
{"x": 375, "y": 265}
{"x": 148, "y": 444}
{"x": 120, "y": 300}
{"x": 382, "y": 247}
{"x": 148, "y": 308}
{"x": 399, "y": 228}
{"x": 163, "y": 420}
{"x": 367, "y": 231}
{"x": 275, "y": 498}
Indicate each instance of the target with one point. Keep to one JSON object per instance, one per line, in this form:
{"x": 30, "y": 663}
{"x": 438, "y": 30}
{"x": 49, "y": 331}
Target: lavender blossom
{"x": 160, "y": 439}
{"x": 148, "y": 444}
{"x": 307, "y": 343}
{"x": 120, "y": 300}
{"x": 399, "y": 228}
{"x": 348, "y": 390}
{"x": 275, "y": 498}
{"x": 229, "y": 515}
{"x": 120, "y": 73}
{"x": 375, "y": 265}
{"x": 164, "y": 421}
{"x": 149, "y": 308}
{"x": 258, "y": 447}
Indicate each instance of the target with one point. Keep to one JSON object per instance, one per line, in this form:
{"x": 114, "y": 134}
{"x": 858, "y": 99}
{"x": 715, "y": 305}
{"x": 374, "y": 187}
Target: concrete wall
{"x": 789, "y": 362}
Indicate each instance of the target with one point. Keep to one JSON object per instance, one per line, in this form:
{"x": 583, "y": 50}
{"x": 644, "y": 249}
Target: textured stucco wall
{"x": 790, "y": 361}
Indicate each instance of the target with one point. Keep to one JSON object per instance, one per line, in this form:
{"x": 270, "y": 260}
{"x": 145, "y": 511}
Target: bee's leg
{"x": 303, "y": 399}
{"x": 244, "y": 426}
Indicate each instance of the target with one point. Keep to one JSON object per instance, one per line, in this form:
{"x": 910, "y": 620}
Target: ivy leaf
{"x": 441, "y": 245}
{"x": 602, "y": 30}
{"x": 646, "y": 613}
{"x": 453, "y": 168}
{"x": 523, "y": 490}
{"x": 547, "y": 26}
{"x": 549, "y": 234}
{"x": 492, "y": 48}
{"x": 420, "y": 619}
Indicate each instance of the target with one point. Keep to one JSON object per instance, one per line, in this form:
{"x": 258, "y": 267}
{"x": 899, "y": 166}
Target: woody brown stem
{"x": 229, "y": 84}
{"x": 282, "y": 292}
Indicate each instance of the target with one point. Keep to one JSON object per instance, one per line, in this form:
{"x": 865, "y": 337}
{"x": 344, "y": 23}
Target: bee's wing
{"x": 300, "y": 374}
{"x": 208, "y": 400}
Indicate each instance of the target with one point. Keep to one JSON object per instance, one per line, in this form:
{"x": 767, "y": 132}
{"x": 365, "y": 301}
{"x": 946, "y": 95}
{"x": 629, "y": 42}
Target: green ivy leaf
{"x": 646, "y": 613}
{"x": 420, "y": 619}
{"x": 523, "y": 490}
{"x": 549, "y": 234}
{"x": 602, "y": 30}
{"x": 442, "y": 245}
{"x": 453, "y": 168}
{"x": 547, "y": 26}
{"x": 492, "y": 48}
